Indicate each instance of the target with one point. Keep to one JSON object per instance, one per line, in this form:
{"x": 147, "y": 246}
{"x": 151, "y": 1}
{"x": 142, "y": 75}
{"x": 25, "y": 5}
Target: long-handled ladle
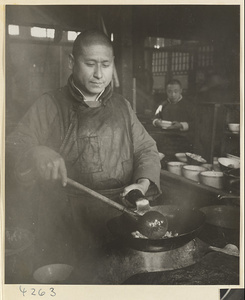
{"x": 152, "y": 224}
{"x": 229, "y": 249}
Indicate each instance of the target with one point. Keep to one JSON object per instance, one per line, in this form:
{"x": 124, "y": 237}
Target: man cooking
{"x": 86, "y": 132}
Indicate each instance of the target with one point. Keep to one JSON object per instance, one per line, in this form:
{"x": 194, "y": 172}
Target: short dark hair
{"x": 90, "y": 37}
{"x": 174, "y": 81}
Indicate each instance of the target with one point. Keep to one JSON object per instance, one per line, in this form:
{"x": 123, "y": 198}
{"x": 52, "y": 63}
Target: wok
{"x": 221, "y": 226}
{"x": 225, "y": 216}
{"x": 186, "y": 222}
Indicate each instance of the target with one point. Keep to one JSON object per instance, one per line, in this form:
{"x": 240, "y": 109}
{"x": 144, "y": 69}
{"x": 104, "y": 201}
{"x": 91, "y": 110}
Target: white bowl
{"x": 175, "y": 167}
{"x": 165, "y": 124}
{"x": 228, "y": 163}
{"x": 191, "y": 171}
{"x": 212, "y": 178}
{"x": 52, "y": 273}
{"x": 234, "y": 127}
{"x": 181, "y": 157}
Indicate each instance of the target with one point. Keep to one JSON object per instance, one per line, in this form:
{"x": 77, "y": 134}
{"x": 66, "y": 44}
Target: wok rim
{"x": 158, "y": 245}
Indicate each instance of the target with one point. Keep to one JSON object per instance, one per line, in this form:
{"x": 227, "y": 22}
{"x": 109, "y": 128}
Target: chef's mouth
{"x": 97, "y": 83}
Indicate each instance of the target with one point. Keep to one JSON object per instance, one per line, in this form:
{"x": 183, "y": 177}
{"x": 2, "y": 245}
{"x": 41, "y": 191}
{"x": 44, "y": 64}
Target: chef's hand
{"x": 175, "y": 125}
{"x": 142, "y": 185}
{"x": 49, "y": 164}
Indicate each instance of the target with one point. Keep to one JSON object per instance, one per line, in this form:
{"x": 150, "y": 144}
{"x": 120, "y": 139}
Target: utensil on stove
{"x": 229, "y": 249}
{"x": 183, "y": 223}
{"x": 152, "y": 224}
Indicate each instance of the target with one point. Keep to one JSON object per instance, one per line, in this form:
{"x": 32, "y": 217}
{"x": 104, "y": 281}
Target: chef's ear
{"x": 71, "y": 62}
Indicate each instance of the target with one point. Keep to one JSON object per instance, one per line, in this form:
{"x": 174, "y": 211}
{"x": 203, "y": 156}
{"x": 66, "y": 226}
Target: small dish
{"x": 52, "y": 273}
{"x": 165, "y": 124}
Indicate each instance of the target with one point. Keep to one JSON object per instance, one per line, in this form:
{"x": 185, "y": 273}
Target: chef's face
{"x": 92, "y": 68}
{"x": 174, "y": 92}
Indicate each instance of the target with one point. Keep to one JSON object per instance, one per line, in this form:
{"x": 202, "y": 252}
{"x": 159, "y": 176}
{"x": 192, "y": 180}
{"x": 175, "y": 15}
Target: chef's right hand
{"x": 49, "y": 164}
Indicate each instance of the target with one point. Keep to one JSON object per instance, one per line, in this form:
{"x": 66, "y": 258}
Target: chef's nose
{"x": 98, "y": 71}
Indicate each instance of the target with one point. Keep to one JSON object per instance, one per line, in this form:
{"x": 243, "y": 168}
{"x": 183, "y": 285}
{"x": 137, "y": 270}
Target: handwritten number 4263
{"x": 39, "y": 292}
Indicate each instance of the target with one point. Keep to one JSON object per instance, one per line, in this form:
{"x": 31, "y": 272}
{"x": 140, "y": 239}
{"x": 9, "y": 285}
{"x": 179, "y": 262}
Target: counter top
{"x": 191, "y": 193}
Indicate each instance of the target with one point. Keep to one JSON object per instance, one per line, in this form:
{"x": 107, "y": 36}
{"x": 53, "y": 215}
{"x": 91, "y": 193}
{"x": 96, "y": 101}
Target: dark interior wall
{"x": 32, "y": 69}
{"x": 130, "y": 24}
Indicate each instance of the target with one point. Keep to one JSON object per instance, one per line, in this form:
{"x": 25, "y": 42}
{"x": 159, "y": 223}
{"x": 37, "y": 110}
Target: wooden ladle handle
{"x": 116, "y": 205}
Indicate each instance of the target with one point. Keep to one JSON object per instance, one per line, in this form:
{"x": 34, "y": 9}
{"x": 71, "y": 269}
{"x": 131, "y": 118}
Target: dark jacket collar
{"x": 77, "y": 94}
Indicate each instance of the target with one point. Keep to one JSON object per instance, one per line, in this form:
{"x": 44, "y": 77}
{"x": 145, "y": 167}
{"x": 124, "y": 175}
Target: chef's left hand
{"x": 142, "y": 185}
{"x": 175, "y": 125}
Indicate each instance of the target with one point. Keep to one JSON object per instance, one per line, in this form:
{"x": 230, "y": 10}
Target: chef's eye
{"x": 106, "y": 65}
{"x": 90, "y": 64}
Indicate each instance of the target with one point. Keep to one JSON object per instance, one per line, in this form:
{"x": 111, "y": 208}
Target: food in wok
{"x": 136, "y": 234}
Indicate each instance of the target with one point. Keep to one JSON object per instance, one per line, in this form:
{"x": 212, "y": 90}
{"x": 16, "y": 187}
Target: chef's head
{"x": 174, "y": 90}
{"x": 92, "y": 62}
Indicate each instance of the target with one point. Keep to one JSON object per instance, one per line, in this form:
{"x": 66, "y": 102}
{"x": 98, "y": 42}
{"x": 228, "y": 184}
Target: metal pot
{"x": 232, "y": 180}
{"x": 185, "y": 222}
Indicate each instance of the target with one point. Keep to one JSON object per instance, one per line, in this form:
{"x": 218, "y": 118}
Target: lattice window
{"x": 160, "y": 62}
{"x": 205, "y": 56}
{"x": 182, "y": 62}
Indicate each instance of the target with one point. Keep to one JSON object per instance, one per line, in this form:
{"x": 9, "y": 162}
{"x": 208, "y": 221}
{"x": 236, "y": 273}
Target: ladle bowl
{"x": 153, "y": 224}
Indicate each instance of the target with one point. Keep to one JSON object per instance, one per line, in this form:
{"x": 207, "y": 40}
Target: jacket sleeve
{"x": 146, "y": 156}
{"x": 31, "y": 131}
